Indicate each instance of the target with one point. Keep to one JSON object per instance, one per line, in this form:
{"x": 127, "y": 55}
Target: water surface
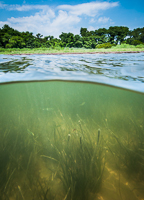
{"x": 121, "y": 70}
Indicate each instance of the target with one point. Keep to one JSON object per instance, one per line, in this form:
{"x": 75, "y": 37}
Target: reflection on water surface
{"x": 14, "y": 65}
{"x": 122, "y": 70}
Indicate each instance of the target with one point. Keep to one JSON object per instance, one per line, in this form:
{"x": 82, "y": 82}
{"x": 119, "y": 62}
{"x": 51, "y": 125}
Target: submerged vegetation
{"x": 80, "y": 146}
{"x": 129, "y": 151}
{"x": 81, "y": 162}
{"x": 76, "y": 160}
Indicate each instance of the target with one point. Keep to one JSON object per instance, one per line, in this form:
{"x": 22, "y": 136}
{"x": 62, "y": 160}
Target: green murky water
{"x": 71, "y": 141}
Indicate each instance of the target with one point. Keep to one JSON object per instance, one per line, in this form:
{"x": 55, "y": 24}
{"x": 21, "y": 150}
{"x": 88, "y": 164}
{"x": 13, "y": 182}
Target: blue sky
{"x": 50, "y": 17}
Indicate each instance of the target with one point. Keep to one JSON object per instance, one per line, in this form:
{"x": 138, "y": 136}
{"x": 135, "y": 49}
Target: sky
{"x": 52, "y": 17}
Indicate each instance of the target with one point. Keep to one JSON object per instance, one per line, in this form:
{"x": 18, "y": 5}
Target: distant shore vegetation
{"x": 115, "y": 38}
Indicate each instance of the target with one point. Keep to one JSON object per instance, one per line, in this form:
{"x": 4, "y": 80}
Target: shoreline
{"x": 69, "y": 53}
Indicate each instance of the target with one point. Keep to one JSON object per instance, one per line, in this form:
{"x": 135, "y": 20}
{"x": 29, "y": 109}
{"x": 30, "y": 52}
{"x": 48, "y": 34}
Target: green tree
{"x": 5, "y": 34}
{"x": 122, "y": 33}
{"x": 28, "y": 39}
{"x": 136, "y": 34}
{"x": 67, "y": 39}
{"x": 101, "y": 35}
{"x": 141, "y": 36}
{"x": 16, "y": 42}
{"x": 89, "y": 42}
{"x": 39, "y": 36}
{"x": 117, "y": 34}
{"x": 101, "y": 31}
{"x": 5, "y": 39}
{"x": 136, "y": 42}
{"x": 85, "y": 33}
{"x": 78, "y": 41}
{"x": 10, "y": 37}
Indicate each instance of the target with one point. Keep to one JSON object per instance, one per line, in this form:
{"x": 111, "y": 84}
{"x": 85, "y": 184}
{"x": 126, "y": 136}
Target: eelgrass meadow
{"x": 70, "y": 141}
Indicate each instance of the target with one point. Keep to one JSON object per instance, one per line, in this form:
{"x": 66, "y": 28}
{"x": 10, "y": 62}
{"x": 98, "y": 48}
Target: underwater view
{"x": 76, "y": 137}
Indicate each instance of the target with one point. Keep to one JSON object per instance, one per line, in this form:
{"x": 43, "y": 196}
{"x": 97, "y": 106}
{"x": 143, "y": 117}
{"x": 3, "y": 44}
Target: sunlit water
{"x": 72, "y": 136}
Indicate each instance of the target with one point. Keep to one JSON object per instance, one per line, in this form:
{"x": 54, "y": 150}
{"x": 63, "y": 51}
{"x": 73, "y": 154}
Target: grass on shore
{"x": 44, "y": 50}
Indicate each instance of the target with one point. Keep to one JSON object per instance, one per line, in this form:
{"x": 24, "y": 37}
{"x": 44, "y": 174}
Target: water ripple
{"x": 122, "y": 70}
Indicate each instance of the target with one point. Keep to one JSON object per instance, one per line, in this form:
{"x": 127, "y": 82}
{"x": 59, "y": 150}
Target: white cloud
{"x": 3, "y": 23}
{"x": 64, "y": 21}
{"x": 45, "y": 22}
{"x": 91, "y": 28}
{"x": 90, "y": 9}
{"x": 92, "y": 20}
{"x": 2, "y": 6}
{"x": 23, "y": 7}
{"x": 27, "y": 7}
{"x": 37, "y": 23}
{"x": 103, "y": 20}
{"x": 64, "y": 18}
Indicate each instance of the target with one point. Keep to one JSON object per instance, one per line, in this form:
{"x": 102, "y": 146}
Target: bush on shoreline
{"x": 105, "y": 46}
{"x": 101, "y": 48}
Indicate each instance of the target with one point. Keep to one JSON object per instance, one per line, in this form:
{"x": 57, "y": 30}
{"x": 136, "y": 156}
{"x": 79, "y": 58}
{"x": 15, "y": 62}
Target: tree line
{"x": 102, "y": 37}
